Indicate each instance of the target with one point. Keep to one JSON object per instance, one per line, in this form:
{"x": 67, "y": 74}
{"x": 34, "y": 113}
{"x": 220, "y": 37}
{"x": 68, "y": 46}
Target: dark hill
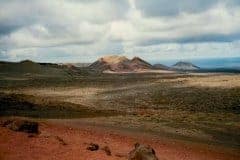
{"x": 31, "y": 68}
{"x": 160, "y": 66}
{"x": 185, "y": 66}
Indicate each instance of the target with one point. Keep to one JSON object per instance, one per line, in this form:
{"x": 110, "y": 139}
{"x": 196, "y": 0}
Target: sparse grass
{"x": 200, "y": 99}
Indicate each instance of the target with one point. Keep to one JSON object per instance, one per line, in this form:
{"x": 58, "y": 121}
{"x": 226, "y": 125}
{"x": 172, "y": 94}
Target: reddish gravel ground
{"x": 47, "y": 146}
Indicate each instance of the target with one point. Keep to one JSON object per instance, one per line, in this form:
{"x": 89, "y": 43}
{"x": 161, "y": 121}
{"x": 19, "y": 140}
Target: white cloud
{"x": 216, "y": 24}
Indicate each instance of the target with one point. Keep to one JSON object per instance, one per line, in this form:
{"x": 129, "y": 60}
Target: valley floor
{"x": 183, "y": 116}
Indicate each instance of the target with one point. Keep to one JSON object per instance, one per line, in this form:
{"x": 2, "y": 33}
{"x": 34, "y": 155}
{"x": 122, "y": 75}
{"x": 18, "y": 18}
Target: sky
{"x": 84, "y": 30}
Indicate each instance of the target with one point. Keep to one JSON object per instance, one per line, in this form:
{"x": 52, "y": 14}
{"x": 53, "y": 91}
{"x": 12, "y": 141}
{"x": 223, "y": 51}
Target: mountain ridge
{"x": 120, "y": 64}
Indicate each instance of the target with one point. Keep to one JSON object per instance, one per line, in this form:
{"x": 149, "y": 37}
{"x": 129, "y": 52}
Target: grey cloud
{"x": 16, "y": 14}
{"x": 157, "y": 8}
{"x": 72, "y": 20}
{"x": 211, "y": 38}
{"x": 6, "y": 29}
{"x": 172, "y": 8}
{"x": 220, "y": 38}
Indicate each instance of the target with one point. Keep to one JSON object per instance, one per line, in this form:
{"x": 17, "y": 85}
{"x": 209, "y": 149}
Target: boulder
{"x": 142, "y": 152}
{"x": 4, "y": 123}
{"x": 23, "y": 126}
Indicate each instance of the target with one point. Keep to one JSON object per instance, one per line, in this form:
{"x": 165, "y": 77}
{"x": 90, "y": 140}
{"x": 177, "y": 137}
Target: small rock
{"x": 62, "y": 142}
{"x": 121, "y": 155}
{"x": 142, "y": 152}
{"x": 32, "y": 135}
{"x": 107, "y": 150}
{"x": 93, "y": 147}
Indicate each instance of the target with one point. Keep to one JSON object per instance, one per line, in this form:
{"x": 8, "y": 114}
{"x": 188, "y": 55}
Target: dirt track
{"x": 16, "y": 145}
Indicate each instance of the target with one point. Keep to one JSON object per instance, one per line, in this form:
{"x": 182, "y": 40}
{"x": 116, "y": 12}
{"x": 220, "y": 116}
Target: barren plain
{"x": 182, "y": 115}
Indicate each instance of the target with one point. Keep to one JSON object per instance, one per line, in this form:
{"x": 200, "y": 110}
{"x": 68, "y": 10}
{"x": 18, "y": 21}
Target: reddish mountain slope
{"x": 120, "y": 64}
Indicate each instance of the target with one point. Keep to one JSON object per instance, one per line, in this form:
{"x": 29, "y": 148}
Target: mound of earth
{"x": 120, "y": 64}
{"x": 185, "y": 66}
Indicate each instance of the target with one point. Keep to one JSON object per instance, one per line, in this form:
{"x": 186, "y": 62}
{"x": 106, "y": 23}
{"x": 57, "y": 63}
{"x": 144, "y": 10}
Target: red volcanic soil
{"x": 49, "y": 144}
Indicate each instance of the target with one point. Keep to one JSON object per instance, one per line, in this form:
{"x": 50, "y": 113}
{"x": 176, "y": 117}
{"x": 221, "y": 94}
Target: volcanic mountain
{"x": 120, "y": 64}
{"x": 160, "y": 66}
{"x": 185, "y": 66}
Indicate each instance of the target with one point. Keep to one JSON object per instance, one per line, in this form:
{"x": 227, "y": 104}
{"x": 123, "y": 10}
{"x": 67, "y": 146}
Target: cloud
{"x": 187, "y": 51}
{"x": 159, "y": 8}
{"x": 35, "y": 23}
{"x": 218, "y": 24}
{"x": 83, "y": 30}
{"x": 169, "y": 8}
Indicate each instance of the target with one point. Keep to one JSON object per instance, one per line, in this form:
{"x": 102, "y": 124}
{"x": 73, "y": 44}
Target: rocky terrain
{"x": 56, "y": 141}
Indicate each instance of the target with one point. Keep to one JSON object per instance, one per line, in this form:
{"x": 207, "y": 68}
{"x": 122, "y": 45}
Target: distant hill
{"x": 79, "y": 65}
{"x": 119, "y": 64}
{"x": 160, "y": 66}
{"x": 25, "y": 67}
{"x": 185, "y": 66}
{"x": 28, "y": 67}
{"x": 33, "y": 69}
